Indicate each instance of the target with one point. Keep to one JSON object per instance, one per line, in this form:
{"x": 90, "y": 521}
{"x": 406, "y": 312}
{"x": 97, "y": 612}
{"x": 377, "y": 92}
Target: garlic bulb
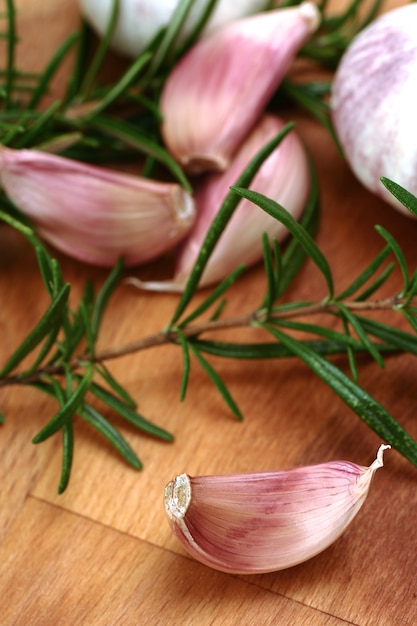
{"x": 94, "y": 214}
{"x": 263, "y": 522}
{"x": 284, "y": 176}
{"x": 374, "y": 103}
{"x": 220, "y": 87}
{"x": 140, "y": 20}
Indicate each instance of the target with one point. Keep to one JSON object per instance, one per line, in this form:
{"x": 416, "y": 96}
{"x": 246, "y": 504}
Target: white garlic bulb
{"x": 374, "y": 103}
{"x": 140, "y": 20}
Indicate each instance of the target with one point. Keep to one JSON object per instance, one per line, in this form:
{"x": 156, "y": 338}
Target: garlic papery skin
{"x": 374, "y": 103}
{"x": 220, "y": 87}
{"x": 93, "y": 214}
{"x": 266, "y": 521}
{"x": 284, "y": 177}
{"x": 140, "y": 20}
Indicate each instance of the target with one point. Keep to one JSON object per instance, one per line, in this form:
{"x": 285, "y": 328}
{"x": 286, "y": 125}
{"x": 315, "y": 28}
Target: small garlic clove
{"x": 93, "y": 214}
{"x": 140, "y": 20}
{"x": 267, "y": 521}
{"x": 218, "y": 90}
{"x": 284, "y": 177}
{"x": 374, "y": 103}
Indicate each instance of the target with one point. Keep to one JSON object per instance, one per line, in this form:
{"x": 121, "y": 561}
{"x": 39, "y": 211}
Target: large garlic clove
{"x": 140, "y": 20}
{"x": 284, "y": 177}
{"x": 267, "y": 521}
{"x": 218, "y": 90}
{"x": 93, "y": 214}
{"x": 374, "y": 103}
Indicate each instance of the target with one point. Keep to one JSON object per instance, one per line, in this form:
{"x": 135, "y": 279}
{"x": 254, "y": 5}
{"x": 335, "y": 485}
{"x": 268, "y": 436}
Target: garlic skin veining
{"x": 284, "y": 177}
{"x": 93, "y": 214}
{"x": 221, "y": 86}
{"x": 140, "y": 20}
{"x": 374, "y": 103}
{"x": 266, "y": 521}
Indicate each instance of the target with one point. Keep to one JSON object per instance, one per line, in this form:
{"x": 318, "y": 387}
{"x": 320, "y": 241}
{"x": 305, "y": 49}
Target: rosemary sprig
{"x": 115, "y": 121}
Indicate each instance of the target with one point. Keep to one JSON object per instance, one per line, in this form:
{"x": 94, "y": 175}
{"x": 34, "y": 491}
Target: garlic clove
{"x": 374, "y": 103}
{"x": 140, "y": 20}
{"x": 217, "y": 91}
{"x": 284, "y": 177}
{"x": 266, "y": 521}
{"x": 93, "y": 214}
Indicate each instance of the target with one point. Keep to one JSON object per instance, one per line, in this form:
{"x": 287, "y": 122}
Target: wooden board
{"x": 102, "y": 553}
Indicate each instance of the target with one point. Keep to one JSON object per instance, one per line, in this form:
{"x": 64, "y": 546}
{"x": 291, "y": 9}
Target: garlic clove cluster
{"x": 266, "y": 521}
{"x": 93, "y": 214}
{"x": 284, "y": 177}
{"x": 140, "y": 20}
{"x": 220, "y": 87}
{"x": 374, "y": 103}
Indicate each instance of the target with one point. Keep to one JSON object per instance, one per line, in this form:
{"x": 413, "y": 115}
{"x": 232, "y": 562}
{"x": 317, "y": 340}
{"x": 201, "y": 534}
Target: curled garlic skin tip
{"x": 266, "y": 521}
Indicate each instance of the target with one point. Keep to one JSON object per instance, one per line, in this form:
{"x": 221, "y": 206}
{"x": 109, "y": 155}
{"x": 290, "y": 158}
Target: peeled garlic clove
{"x": 93, "y": 214}
{"x": 218, "y": 90}
{"x": 284, "y": 176}
{"x": 374, "y": 103}
{"x": 140, "y": 20}
{"x": 267, "y": 521}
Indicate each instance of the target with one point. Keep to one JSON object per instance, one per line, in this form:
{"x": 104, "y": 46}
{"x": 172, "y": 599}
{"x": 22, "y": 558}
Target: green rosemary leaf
{"x": 214, "y": 295}
{"x": 295, "y": 255}
{"x": 66, "y": 412}
{"x": 104, "y": 295}
{"x": 411, "y": 318}
{"x": 101, "y": 51}
{"x": 170, "y": 35}
{"x": 120, "y": 87}
{"x": 11, "y": 49}
{"x": 367, "y": 273}
{"x": 127, "y": 133}
{"x": 38, "y": 126}
{"x": 362, "y": 403}
{"x": 398, "y": 338}
{"x": 376, "y": 284}
{"x": 115, "y": 385}
{"x": 46, "y": 348}
{"x": 50, "y": 319}
{"x": 129, "y": 414}
{"x": 80, "y": 325}
{"x": 2, "y": 417}
{"x": 199, "y": 26}
{"x": 271, "y": 289}
{"x": 222, "y": 218}
{"x": 217, "y": 381}
{"x": 51, "y": 69}
{"x": 359, "y": 330}
{"x": 45, "y": 267}
{"x": 321, "y": 331}
{"x": 295, "y": 228}
{"x": 350, "y": 353}
{"x": 77, "y": 74}
{"x": 218, "y": 310}
{"x": 398, "y": 253}
{"x": 97, "y": 421}
{"x": 67, "y": 455}
{"x": 405, "y": 197}
{"x": 186, "y": 363}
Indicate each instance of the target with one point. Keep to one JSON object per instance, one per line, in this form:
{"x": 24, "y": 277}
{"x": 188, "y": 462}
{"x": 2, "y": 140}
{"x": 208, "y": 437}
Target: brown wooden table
{"x": 102, "y": 553}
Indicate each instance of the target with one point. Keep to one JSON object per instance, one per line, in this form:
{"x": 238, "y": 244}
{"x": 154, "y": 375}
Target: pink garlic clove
{"x": 219, "y": 89}
{"x": 266, "y": 521}
{"x": 93, "y": 214}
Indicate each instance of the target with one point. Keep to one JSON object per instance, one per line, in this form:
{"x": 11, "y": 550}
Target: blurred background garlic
{"x": 140, "y": 20}
{"x": 220, "y": 87}
{"x": 374, "y": 103}
{"x": 93, "y": 214}
{"x": 283, "y": 177}
{"x": 266, "y": 521}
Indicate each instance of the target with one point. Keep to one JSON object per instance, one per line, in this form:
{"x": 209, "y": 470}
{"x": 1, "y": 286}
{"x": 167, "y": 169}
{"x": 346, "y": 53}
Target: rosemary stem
{"x": 170, "y": 336}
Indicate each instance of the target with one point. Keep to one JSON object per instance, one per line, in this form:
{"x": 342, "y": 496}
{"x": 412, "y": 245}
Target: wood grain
{"x": 102, "y": 553}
